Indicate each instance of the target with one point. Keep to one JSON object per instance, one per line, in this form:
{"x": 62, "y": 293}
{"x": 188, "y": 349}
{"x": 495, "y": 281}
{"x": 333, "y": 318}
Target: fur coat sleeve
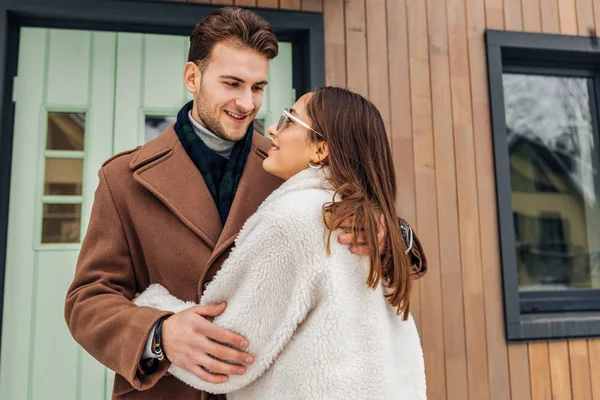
{"x": 269, "y": 286}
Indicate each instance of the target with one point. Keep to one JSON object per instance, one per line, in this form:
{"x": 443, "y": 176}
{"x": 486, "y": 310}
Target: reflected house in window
{"x": 554, "y": 182}
{"x": 549, "y": 217}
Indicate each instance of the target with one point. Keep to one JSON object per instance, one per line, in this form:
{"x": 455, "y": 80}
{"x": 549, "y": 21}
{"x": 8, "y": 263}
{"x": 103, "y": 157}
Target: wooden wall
{"x": 422, "y": 62}
{"x": 302, "y": 5}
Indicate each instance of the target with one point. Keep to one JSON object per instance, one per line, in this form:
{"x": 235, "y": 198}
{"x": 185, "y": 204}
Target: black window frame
{"x": 541, "y": 314}
{"x": 305, "y": 30}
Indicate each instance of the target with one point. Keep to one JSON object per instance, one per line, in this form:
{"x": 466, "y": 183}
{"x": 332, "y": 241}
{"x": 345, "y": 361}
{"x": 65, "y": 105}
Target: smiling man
{"x": 168, "y": 212}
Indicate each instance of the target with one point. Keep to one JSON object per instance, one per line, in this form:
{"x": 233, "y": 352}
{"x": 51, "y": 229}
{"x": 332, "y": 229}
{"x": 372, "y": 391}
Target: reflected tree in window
{"x": 553, "y": 165}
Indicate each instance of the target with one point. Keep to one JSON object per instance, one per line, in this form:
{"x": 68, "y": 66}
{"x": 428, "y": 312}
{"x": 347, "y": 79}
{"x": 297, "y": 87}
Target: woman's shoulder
{"x": 302, "y": 204}
{"x": 299, "y": 212}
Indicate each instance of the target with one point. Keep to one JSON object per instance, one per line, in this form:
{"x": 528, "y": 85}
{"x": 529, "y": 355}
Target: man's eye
{"x": 259, "y": 88}
{"x": 231, "y": 84}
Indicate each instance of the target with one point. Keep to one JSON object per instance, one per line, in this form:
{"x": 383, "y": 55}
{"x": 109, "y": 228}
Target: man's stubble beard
{"x": 204, "y": 114}
{"x": 213, "y": 125}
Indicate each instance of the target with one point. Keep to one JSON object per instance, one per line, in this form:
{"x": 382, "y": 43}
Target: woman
{"x": 326, "y": 323}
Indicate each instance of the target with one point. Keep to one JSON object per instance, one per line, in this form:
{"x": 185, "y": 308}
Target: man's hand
{"x": 189, "y": 340}
{"x": 361, "y": 248}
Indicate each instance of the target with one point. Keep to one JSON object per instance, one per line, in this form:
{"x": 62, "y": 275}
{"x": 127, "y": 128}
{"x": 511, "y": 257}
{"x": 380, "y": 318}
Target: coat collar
{"x": 163, "y": 167}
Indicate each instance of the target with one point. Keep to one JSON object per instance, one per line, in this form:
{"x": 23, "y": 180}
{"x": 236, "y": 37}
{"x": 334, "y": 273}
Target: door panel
{"x": 68, "y": 60}
{"x": 128, "y": 89}
{"x": 20, "y": 258}
{"x": 162, "y": 79}
{"x": 62, "y": 87}
{"x": 279, "y": 93}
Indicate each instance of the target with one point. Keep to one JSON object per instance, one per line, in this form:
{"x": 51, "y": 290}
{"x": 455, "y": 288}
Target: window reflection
{"x": 554, "y": 179}
{"x": 61, "y": 223}
{"x": 64, "y": 177}
{"x": 155, "y": 125}
{"x": 65, "y": 131}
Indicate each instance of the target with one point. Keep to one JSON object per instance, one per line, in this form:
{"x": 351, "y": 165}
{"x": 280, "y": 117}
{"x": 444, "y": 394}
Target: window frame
{"x": 543, "y": 314}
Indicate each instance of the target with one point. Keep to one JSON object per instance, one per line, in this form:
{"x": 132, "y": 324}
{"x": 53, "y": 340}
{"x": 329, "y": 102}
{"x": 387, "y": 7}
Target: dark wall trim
{"x": 545, "y": 54}
{"x": 303, "y": 29}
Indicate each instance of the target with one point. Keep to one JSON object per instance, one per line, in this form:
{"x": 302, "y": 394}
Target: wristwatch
{"x": 157, "y": 348}
{"x": 150, "y": 365}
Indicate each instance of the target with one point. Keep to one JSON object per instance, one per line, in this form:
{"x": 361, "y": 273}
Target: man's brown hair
{"x": 232, "y": 25}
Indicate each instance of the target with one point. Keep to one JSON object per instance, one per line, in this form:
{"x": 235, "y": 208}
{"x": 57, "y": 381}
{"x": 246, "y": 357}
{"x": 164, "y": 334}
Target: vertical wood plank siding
{"x": 422, "y": 62}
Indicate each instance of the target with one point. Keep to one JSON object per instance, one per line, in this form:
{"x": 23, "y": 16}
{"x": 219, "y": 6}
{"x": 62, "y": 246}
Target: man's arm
{"x": 98, "y": 310}
{"x": 104, "y": 321}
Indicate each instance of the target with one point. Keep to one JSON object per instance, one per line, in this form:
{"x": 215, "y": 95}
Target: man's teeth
{"x": 236, "y": 116}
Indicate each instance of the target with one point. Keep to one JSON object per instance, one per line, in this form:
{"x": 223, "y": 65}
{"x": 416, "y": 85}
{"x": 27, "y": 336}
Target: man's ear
{"x": 192, "y": 77}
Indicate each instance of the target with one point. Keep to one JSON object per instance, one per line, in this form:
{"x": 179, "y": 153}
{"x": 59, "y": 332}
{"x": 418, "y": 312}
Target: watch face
{"x": 149, "y": 365}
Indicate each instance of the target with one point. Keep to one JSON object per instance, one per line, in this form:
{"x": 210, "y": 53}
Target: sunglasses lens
{"x": 282, "y": 122}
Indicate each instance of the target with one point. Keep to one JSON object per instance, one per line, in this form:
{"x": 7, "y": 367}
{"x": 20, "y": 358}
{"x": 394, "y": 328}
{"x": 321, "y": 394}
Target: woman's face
{"x": 291, "y": 150}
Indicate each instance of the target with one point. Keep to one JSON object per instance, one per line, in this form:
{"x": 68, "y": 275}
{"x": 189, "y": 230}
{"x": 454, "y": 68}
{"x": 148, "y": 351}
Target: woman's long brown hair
{"x": 362, "y": 174}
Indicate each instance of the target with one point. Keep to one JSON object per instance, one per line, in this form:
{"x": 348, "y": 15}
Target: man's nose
{"x": 244, "y": 102}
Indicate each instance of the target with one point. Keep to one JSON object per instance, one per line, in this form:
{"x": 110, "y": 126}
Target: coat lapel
{"x": 163, "y": 167}
{"x": 255, "y": 186}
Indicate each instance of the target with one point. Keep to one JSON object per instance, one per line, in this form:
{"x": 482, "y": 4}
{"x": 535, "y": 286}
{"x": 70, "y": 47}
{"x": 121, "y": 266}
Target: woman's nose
{"x": 272, "y": 130}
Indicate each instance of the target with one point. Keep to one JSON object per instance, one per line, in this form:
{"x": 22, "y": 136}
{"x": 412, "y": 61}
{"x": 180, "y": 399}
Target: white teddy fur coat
{"x": 315, "y": 328}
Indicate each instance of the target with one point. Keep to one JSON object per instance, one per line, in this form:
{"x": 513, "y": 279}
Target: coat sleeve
{"x": 98, "y": 310}
{"x": 269, "y": 286}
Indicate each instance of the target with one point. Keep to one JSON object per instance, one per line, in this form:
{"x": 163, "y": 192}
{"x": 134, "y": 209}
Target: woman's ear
{"x": 322, "y": 152}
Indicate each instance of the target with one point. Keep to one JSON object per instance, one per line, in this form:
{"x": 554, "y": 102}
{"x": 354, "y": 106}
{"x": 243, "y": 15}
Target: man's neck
{"x": 220, "y": 146}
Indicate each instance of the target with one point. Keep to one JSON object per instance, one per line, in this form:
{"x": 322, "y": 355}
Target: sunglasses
{"x": 287, "y": 117}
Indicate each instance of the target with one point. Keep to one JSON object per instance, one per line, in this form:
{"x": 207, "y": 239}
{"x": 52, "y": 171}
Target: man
{"x": 169, "y": 211}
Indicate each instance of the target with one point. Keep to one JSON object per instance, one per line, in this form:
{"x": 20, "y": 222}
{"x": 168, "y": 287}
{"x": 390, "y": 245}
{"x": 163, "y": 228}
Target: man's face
{"x": 229, "y": 92}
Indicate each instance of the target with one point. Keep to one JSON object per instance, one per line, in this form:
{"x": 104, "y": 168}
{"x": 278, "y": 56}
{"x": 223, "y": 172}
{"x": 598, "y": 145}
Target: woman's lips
{"x": 273, "y": 147}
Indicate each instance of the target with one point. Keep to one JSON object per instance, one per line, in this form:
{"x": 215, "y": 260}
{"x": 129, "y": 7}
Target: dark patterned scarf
{"x": 222, "y": 176}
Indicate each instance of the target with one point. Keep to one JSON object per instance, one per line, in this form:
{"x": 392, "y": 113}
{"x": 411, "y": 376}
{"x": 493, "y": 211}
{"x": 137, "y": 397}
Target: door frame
{"x": 303, "y": 29}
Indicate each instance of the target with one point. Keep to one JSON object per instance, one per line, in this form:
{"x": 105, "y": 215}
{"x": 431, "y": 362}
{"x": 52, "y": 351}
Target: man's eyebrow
{"x": 240, "y": 80}
{"x": 233, "y": 78}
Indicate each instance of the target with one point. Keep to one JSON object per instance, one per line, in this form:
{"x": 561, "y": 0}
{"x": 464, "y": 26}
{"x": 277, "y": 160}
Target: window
{"x": 155, "y": 125}
{"x": 63, "y": 178}
{"x": 544, "y": 94}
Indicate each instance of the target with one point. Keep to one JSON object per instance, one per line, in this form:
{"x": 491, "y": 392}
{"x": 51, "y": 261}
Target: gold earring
{"x": 318, "y": 166}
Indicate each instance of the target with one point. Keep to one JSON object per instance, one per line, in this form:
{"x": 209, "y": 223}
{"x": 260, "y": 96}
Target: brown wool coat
{"x": 154, "y": 221}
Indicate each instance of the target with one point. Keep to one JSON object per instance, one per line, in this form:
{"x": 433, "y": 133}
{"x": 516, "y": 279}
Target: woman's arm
{"x": 268, "y": 283}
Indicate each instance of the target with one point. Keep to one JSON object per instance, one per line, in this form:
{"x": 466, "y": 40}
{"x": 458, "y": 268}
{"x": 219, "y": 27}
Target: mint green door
{"x": 80, "y": 97}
